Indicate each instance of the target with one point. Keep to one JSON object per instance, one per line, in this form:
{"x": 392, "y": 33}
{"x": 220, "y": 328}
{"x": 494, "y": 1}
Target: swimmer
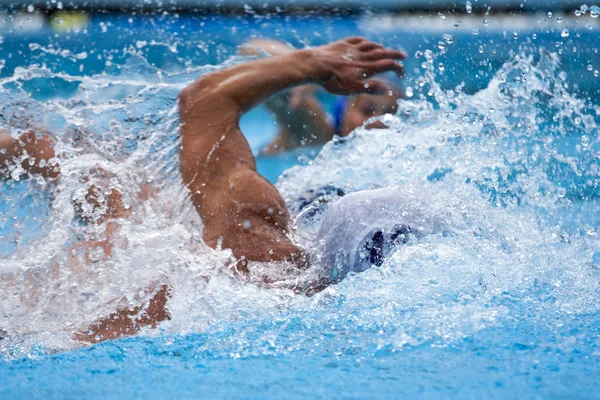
{"x": 300, "y": 115}
{"x": 33, "y": 154}
{"x": 240, "y": 209}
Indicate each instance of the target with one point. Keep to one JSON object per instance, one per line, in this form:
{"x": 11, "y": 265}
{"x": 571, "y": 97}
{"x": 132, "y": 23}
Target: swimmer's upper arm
{"x": 239, "y": 208}
{"x": 210, "y": 109}
{"x": 212, "y": 145}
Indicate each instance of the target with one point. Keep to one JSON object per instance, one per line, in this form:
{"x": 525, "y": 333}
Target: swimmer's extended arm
{"x": 239, "y": 208}
{"x": 298, "y": 113}
{"x": 38, "y": 149}
{"x": 127, "y": 321}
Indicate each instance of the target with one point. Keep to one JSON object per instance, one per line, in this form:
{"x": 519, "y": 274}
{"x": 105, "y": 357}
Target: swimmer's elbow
{"x": 203, "y": 98}
{"x": 194, "y": 92}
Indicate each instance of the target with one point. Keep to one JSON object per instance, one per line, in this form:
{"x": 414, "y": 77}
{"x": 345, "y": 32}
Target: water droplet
{"x": 441, "y": 67}
{"x": 469, "y": 7}
{"x": 486, "y": 21}
{"x": 475, "y": 31}
{"x": 564, "y": 33}
{"x": 596, "y": 73}
{"x": 442, "y": 16}
{"x": 31, "y": 8}
{"x": 534, "y": 36}
{"x": 366, "y": 85}
{"x": 577, "y": 13}
{"x": 585, "y": 140}
{"x": 559, "y": 20}
{"x": 441, "y": 45}
{"x": 409, "y": 92}
{"x": 584, "y": 8}
{"x": 480, "y": 49}
{"x": 515, "y": 35}
{"x": 448, "y": 38}
{"x": 594, "y": 11}
{"x": 549, "y": 14}
{"x": 418, "y": 54}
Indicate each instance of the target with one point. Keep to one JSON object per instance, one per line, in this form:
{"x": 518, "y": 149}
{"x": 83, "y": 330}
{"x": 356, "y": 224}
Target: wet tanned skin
{"x": 240, "y": 209}
{"x": 41, "y": 158}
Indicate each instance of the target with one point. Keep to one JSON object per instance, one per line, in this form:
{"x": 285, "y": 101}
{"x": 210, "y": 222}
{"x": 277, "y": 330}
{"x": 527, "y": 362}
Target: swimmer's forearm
{"x": 297, "y": 111}
{"x": 127, "y": 321}
{"x": 244, "y": 86}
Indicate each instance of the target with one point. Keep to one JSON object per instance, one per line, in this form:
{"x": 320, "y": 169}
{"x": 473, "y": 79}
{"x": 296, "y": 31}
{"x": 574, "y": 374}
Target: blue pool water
{"x": 500, "y": 138}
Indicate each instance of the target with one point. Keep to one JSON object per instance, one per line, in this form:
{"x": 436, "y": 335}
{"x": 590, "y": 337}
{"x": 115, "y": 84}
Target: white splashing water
{"x": 499, "y": 167}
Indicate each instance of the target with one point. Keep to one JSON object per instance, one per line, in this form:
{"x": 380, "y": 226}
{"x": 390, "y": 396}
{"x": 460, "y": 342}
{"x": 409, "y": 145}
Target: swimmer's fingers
{"x": 356, "y": 39}
{"x": 383, "y": 54}
{"x": 376, "y": 51}
{"x": 368, "y": 46}
{"x": 380, "y": 66}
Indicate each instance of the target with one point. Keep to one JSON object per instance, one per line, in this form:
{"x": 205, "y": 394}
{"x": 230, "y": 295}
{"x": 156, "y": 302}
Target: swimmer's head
{"x": 362, "y": 107}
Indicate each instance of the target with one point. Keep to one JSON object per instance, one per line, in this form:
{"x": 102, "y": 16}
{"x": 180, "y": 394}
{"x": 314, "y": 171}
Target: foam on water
{"x": 503, "y": 168}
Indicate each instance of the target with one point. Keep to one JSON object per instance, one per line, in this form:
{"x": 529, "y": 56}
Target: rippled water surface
{"x": 499, "y": 138}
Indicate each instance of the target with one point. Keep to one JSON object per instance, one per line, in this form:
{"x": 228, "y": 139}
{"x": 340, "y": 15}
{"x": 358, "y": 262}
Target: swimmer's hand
{"x": 344, "y": 67}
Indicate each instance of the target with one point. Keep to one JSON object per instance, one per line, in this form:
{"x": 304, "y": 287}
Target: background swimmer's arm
{"x": 298, "y": 113}
{"x": 239, "y": 208}
{"x": 40, "y": 151}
